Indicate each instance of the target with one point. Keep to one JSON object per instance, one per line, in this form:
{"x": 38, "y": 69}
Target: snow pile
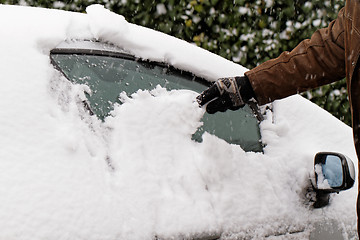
{"x": 67, "y": 175}
{"x": 322, "y": 182}
{"x": 149, "y": 44}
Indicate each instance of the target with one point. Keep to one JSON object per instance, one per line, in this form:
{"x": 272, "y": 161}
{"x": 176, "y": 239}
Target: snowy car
{"x": 102, "y": 138}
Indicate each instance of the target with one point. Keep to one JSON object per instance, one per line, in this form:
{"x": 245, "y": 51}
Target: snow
{"x": 161, "y": 9}
{"x": 161, "y": 48}
{"x": 322, "y": 182}
{"x": 67, "y": 175}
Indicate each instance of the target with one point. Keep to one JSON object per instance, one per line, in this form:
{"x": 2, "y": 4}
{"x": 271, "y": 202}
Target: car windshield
{"x": 107, "y": 75}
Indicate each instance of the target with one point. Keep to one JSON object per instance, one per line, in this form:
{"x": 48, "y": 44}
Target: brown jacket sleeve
{"x": 314, "y": 62}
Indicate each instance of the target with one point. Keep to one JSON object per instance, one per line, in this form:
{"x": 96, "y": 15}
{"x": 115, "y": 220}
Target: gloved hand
{"x": 227, "y": 93}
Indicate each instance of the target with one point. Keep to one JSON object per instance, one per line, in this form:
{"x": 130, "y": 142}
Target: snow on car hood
{"x": 66, "y": 174}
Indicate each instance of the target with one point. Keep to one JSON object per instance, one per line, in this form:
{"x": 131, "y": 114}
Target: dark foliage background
{"x": 246, "y": 32}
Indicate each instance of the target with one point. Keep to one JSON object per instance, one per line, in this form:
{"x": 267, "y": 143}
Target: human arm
{"x": 314, "y": 62}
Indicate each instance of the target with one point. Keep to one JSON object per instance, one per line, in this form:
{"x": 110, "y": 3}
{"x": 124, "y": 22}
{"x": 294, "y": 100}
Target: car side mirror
{"x": 334, "y": 172}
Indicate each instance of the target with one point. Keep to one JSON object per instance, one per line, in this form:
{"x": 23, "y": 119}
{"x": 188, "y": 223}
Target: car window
{"x": 107, "y": 76}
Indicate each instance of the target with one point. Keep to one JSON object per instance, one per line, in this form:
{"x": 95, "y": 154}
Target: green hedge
{"x": 246, "y": 32}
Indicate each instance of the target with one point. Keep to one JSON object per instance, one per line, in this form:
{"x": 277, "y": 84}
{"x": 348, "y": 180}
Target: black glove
{"x": 227, "y": 93}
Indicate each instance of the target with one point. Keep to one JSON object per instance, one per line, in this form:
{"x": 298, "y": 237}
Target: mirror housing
{"x": 334, "y": 172}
